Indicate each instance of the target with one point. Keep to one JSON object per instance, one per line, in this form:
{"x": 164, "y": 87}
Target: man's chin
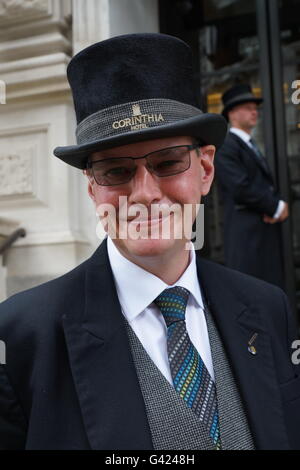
{"x": 148, "y": 247}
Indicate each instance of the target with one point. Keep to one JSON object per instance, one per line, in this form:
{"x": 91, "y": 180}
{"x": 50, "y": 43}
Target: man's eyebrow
{"x": 104, "y": 156}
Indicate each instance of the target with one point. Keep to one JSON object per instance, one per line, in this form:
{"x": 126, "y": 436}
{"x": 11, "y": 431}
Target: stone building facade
{"x": 38, "y": 192}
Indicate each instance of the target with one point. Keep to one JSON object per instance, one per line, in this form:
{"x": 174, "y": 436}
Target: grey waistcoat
{"x": 175, "y": 426}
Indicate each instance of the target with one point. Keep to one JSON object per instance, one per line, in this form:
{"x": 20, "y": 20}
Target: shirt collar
{"x": 242, "y": 134}
{"x": 137, "y": 288}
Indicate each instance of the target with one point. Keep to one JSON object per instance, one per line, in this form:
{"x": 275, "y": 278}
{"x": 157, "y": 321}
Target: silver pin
{"x": 251, "y": 348}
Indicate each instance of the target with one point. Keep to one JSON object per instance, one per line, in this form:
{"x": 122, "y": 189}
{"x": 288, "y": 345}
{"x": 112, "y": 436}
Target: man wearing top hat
{"x": 253, "y": 208}
{"x": 145, "y": 345}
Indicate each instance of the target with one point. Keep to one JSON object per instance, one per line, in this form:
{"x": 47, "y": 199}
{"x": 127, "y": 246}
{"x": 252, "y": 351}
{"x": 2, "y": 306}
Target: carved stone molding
{"x": 21, "y": 21}
{"x": 22, "y": 167}
{"x": 36, "y": 76}
{"x": 14, "y": 10}
{"x": 16, "y": 173}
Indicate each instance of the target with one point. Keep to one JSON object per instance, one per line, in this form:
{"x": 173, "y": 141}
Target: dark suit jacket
{"x": 247, "y": 191}
{"x": 70, "y": 383}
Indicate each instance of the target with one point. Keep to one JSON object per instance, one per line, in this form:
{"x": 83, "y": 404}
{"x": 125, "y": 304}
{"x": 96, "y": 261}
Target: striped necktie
{"x": 190, "y": 376}
{"x": 261, "y": 157}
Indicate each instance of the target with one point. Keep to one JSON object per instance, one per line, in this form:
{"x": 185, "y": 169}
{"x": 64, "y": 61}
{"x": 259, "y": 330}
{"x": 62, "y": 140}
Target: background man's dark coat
{"x": 247, "y": 191}
{"x": 69, "y": 381}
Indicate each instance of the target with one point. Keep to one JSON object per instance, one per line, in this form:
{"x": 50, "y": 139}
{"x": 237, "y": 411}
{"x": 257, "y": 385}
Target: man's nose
{"x": 145, "y": 187}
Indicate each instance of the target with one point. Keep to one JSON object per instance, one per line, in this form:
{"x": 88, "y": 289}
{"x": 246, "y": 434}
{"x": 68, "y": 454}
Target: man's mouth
{"x": 149, "y": 220}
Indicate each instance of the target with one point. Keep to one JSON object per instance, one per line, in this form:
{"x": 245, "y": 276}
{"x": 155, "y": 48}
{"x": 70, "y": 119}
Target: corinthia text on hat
{"x": 110, "y": 113}
{"x": 137, "y": 120}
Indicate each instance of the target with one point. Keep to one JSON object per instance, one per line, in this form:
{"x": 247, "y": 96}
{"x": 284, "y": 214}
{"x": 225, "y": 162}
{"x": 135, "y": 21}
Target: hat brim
{"x": 236, "y": 102}
{"x": 207, "y": 128}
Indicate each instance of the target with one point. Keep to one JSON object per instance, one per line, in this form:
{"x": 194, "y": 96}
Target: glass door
{"x": 289, "y": 47}
{"x": 255, "y": 42}
{"x": 229, "y": 53}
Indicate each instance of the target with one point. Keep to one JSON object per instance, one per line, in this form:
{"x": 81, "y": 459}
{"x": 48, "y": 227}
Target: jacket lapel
{"x": 253, "y": 155}
{"x": 105, "y": 378}
{"x": 111, "y": 402}
{"x": 255, "y": 373}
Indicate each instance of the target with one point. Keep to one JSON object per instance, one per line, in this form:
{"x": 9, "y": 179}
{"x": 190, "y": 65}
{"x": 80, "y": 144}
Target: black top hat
{"x": 132, "y": 88}
{"x": 238, "y": 94}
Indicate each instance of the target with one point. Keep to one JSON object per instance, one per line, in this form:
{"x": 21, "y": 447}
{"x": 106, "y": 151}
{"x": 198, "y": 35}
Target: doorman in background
{"x": 146, "y": 345}
{"x": 253, "y": 208}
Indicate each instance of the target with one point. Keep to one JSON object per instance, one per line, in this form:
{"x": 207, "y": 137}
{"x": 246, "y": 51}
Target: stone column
{"x": 133, "y": 16}
{"x": 96, "y": 20}
{"x": 7, "y": 227}
{"x": 90, "y": 22}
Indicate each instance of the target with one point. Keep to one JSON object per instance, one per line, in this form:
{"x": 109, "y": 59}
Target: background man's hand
{"x": 283, "y": 216}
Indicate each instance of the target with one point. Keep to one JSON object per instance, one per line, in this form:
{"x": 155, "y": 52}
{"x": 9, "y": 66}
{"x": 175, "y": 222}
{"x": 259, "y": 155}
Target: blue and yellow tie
{"x": 190, "y": 376}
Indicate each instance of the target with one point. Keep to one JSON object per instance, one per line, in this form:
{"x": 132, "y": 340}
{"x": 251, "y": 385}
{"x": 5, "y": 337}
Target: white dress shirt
{"x": 246, "y": 138}
{"x": 137, "y": 289}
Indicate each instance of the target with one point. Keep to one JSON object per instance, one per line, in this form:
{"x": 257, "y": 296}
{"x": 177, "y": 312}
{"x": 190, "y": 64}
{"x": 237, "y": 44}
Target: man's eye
{"x": 166, "y": 164}
{"x": 116, "y": 171}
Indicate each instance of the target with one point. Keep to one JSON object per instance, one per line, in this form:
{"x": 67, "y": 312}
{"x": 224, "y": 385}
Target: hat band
{"x": 132, "y": 116}
{"x": 243, "y": 97}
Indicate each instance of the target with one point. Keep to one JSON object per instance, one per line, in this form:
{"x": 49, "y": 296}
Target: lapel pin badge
{"x": 251, "y": 348}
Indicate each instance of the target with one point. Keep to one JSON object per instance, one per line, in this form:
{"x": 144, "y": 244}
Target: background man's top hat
{"x": 132, "y": 88}
{"x": 238, "y": 94}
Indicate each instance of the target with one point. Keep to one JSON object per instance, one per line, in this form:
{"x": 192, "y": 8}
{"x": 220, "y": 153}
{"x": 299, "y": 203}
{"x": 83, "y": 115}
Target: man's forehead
{"x": 143, "y": 147}
{"x": 247, "y": 105}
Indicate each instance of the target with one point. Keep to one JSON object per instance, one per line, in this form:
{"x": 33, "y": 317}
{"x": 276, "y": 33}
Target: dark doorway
{"x": 258, "y": 42}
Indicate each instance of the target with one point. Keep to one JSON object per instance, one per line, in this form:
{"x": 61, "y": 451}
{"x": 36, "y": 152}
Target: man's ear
{"x": 207, "y": 154}
{"x": 91, "y": 183}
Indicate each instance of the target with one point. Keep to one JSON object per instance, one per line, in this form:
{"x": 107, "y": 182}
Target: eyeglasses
{"x": 165, "y": 162}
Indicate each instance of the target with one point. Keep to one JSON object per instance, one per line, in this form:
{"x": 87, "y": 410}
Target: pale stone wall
{"x": 6, "y": 228}
{"x": 47, "y": 197}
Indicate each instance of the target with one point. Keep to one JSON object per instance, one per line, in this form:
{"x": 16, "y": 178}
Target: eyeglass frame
{"x": 188, "y": 146}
